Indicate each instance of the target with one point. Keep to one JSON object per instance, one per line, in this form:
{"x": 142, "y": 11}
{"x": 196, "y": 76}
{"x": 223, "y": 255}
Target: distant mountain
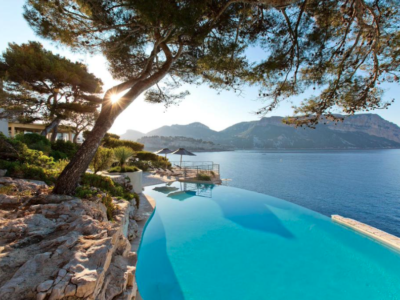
{"x": 132, "y": 135}
{"x": 363, "y": 131}
{"x": 175, "y": 142}
{"x": 194, "y": 130}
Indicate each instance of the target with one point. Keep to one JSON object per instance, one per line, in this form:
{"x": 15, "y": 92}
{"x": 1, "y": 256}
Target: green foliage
{"x": 29, "y": 171}
{"x": 115, "y": 143}
{"x": 57, "y": 155}
{"x": 106, "y": 184}
{"x": 39, "y": 84}
{"x": 145, "y": 155}
{"x": 66, "y": 147}
{"x": 11, "y": 149}
{"x": 107, "y": 201}
{"x": 343, "y": 49}
{"x": 124, "y": 169}
{"x": 122, "y": 154}
{"x": 102, "y": 182}
{"x": 102, "y": 160}
{"x": 111, "y": 135}
{"x": 149, "y": 159}
{"x": 84, "y": 192}
{"x": 37, "y": 158}
{"x": 60, "y": 165}
{"x": 141, "y": 164}
{"x": 35, "y": 141}
{"x": 203, "y": 177}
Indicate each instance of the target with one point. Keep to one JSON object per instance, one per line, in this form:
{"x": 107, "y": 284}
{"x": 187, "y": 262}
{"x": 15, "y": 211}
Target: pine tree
{"x": 41, "y": 86}
{"x": 153, "y": 46}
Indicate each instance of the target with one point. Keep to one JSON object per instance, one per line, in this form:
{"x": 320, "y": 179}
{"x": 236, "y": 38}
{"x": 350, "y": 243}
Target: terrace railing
{"x": 193, "y": 168}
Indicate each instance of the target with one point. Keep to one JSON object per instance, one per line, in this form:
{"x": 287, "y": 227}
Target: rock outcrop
{"x": 60, "y": 247}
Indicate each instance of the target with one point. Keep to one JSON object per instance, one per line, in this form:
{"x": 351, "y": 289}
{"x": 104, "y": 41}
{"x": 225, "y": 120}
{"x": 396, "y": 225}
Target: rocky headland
{"x": 61, "y": 247}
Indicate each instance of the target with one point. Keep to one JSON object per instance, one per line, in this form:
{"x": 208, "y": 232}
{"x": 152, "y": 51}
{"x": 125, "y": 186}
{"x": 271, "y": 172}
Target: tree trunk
{"x": 51, "y": 126}
{"x": 75, "y": 140}
{"x": 70, "y": 176}
{"x": 54, "y": 134}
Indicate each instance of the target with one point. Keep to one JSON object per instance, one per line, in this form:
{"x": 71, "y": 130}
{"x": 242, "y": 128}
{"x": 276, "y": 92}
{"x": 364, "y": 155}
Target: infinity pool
{"x": 207, "y": 242}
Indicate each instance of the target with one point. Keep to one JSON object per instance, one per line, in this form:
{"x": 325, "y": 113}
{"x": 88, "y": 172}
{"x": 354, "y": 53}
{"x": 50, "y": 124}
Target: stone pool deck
{"x": 379, "y": 235}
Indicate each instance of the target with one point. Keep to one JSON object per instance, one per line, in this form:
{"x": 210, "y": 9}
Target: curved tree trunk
{"x": 70, "y": 176}
{"x": 50, "y": 127}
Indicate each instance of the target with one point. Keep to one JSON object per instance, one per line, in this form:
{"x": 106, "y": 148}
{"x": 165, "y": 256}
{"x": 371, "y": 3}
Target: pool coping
{"x": 146, "y": 207}
{"x": 377, "y": 234}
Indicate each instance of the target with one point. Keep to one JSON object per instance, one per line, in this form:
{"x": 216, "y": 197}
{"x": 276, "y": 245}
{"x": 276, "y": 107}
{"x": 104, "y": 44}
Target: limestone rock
{"x": 57, "y": 247}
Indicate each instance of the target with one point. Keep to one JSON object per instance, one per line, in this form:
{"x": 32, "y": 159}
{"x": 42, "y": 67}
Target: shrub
{"x": 57, "y": 155}
{"x": 165, "y": 164}
{"x": 107, "y": 201}
{"x": 145, "y": 155}
{"x": 141, "y": 164}
{"x": 102, "y": 160}
{"x": 27, "y": 171}
{"x": 203, "y": 177}
{"x": 115, "y": 143}
{"x": 122, "y": 154}
{"x": 84, "y": 192}
{"x": 124, "y": 169}
{"x": 35, "y": 141}
{"x": 11, "y": 149}
{"x": 60, "y": 165}
{"x": 66, "y": 147}
{"x": 37, "y": 158}
{"x": 102, "y": 182}
{"x": 106, "y": 184}
{"x": 111, "y": 135}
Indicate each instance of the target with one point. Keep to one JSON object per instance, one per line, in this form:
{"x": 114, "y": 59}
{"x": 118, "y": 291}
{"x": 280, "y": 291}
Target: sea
{"x": 359, "y": 184}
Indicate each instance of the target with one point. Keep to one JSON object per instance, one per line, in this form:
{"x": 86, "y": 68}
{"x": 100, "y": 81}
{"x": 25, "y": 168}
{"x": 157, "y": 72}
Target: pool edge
{"x": 379, "y": 235}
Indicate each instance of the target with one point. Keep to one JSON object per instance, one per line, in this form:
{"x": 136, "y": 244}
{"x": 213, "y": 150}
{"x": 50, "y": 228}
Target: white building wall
{"x": 4, "y": 126}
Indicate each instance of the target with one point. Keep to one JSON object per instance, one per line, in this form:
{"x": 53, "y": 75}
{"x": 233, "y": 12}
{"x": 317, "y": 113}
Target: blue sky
{"x": 205, "y": 105}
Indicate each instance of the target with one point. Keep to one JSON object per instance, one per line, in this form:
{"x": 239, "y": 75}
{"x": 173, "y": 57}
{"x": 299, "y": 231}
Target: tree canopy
{"x": 342, "y": 49}
{"x": 39, "y": 85}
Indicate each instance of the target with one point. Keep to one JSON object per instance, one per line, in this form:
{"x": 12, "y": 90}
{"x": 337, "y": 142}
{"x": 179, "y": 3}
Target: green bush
{"x": 107, "y": 201}
{"x": 124, "y": 169}
{"x": 106, "y": 184}
{"x": 66, "y": 147}
{"x": 27, "y": 171}
{"x": 37, "y": 158}
{"x": 102, "y": 160}
{"x": 11, "y": 149}
{"x": 122, "y": 154}
{"x": 102, "y": 182}
{"x": 35, "y": 141}
{"x": 145, "y": 155}
{"x": 60, "y": 165}
{"x": 57, "y": 155}
{"x": 141, "y": 164}
{"x": 84, "y": 192}
{"x": 203, "y": 177}
{"x": 115, "y": 143}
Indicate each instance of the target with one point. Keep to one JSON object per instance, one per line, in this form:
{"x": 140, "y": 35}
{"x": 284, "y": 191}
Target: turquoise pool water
{"x": 209, "y": 242}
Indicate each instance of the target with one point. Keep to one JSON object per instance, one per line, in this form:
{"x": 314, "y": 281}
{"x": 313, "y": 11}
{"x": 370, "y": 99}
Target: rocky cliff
{"x": 60, "y": 247}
